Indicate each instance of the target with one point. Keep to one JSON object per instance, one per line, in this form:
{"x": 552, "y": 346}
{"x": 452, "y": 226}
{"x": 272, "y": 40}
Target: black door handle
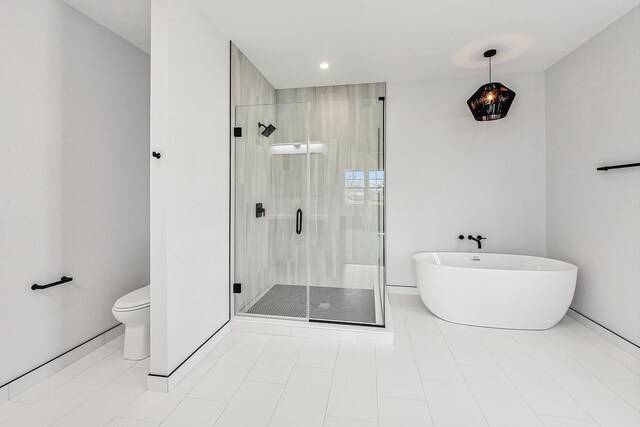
{"x": 299, "y": 221}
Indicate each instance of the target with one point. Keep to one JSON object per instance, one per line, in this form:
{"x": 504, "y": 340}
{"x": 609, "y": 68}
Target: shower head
{"x": 268, "y": 130}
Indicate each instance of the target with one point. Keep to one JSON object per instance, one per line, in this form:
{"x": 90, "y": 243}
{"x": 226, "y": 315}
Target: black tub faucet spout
{"x": 477, "y": 239}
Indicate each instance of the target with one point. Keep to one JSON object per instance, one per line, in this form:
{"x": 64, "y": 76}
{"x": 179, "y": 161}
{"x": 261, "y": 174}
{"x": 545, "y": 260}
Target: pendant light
{"x": 492, "y": 100}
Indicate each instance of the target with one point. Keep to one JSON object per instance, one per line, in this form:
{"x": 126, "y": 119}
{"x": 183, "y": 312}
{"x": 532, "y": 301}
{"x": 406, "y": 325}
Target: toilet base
{"x": 136, "y": 342}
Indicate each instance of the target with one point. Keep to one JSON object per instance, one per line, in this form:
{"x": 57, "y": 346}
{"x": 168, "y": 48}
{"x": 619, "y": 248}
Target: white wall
{"x": 190, "y": 183}
{"x": 74, "y": 130}
{"x": 448, "y": 174}
{"x": 593, "y": 119}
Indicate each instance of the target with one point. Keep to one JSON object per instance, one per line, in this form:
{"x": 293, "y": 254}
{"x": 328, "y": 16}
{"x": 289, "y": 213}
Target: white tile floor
{"x": 437, "y": 374}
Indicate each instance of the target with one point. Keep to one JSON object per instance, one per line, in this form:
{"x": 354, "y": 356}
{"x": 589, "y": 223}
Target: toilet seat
{"x": 136, "y": 300}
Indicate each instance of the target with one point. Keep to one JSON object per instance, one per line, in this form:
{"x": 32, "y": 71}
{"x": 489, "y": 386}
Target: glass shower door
{"x": 309, "y": 206}
{"x": 346, "y": 168}
{"x": 271, "y": 203}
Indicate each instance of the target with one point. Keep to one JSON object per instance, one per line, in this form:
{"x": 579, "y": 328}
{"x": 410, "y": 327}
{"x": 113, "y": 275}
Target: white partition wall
{"x": 74, "y": 193}
{"x": 189, "y": 183}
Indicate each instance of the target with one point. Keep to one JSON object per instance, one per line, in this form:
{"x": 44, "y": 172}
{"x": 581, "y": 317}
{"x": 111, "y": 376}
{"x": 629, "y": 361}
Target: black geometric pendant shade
{"x": 491, "y": 101}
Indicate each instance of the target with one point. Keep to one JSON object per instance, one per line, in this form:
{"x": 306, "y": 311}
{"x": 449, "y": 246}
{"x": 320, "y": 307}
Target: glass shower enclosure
{"x": 309, "y": 211}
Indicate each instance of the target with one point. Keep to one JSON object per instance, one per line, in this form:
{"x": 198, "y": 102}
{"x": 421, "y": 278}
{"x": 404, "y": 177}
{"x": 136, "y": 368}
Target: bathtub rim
{"x": 571, "y": 267}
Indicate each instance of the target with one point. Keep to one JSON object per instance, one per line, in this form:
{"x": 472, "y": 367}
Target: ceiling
{"x": 384, "y": 40}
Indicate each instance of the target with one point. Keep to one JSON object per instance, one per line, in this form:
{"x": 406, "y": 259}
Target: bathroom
{"x": 251, "y": 218}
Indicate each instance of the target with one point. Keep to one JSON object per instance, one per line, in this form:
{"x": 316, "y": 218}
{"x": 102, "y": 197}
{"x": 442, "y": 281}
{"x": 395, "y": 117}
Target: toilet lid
{"x": 139, "y": 298}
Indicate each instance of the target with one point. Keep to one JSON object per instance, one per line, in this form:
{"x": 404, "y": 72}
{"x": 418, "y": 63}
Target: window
{"x": 375, "y": 186}
{"x": 354, "y": 187}
{"x": 361, "y": 187}
{"x": 354, "y": 179}
{"x": 376, "y": 179}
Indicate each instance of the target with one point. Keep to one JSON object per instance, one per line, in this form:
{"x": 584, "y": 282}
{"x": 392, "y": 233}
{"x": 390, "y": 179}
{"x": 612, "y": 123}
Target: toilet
{"x": 133, "y": 311}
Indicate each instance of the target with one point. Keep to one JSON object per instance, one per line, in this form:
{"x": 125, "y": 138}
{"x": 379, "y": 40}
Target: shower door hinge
{"x": 237, "y": 288}
{"x": 237, "y": 132}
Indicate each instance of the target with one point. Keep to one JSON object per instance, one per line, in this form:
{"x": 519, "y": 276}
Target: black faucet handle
{"x": 461, "y": 237}
{"x": 481, "y": 238}
{"x": 260, "y": 210}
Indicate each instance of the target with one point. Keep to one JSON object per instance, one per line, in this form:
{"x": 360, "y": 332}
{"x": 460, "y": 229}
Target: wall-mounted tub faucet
{"x": 477, "y": 239}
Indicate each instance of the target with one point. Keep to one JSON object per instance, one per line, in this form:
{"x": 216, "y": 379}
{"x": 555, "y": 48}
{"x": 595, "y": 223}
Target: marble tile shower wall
{"x": 347, "y": 122}
{"x": 250, "y": 88}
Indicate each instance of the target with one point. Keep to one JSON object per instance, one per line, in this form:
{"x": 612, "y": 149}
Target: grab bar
{"x": 63, "y": 279}
{"x": 628, "y": 165}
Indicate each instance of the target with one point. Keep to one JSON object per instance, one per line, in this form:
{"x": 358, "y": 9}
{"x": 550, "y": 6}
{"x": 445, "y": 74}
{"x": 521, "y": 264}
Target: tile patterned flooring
{"x": 437, "y": 374}
{"x": 328, "y": 303}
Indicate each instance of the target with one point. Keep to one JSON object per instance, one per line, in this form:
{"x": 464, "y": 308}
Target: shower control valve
{"x": 260, "y": 211}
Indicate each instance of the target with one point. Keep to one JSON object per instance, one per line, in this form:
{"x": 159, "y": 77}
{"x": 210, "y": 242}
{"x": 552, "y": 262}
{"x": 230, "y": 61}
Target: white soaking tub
{"x": 495, "y": 290}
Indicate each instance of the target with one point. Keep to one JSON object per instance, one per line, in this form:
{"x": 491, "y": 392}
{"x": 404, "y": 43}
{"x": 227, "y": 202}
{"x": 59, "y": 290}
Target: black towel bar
{"x": 628, "y": 165}
{"x": 63, "y": 279}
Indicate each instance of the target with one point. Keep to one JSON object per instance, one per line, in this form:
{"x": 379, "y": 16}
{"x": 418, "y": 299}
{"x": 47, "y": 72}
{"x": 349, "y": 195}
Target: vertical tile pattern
{"x": 155, "y": 407}
{"x": 397, "y": 372}
{"x": 318, "y": 353}
{"x": 429, "y": 377}
{"x": 103, "y": 406}
{"x": 36, "y": 392}
{"x": 251, "y": 88}
{"x": 403, "y": 413}
{"x": 56, "y": 405}
{"x": 252, "y": 405}
{"x": 125, "y": 422}
{"x": 9, "y": 409}
{"x": 304, "y": 399}
{"x": 277, "y": 361}
{"x": 498, "y": 399}
{"x": 452, "y": 404}
{"x": 345, "y": 122}
{"x": 223, "y": 380}
{"x": 106, "y": 370}
{"x": 354, "y": 390}
{"x": 344, "y": 127}
{"x": 195, "y": 413}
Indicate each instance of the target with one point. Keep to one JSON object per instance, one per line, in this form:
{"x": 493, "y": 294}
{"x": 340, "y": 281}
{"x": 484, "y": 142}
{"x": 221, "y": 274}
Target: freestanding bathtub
{"x": 495, "y": 290}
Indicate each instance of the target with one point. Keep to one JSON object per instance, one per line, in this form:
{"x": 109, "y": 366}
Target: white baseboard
{"x": 605, "y": 333}
{"x": 165, "y": 384}
{"x": 39, "y": 374}
{"x": 402, "y": 289}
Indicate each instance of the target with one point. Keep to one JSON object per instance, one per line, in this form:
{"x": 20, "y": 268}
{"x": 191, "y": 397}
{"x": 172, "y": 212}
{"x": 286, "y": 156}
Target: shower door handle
{"x": 299, "y": 221}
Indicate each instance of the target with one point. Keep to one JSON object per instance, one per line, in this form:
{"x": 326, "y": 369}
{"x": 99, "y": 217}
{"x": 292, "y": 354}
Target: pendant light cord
{"x": 489, "y": 69}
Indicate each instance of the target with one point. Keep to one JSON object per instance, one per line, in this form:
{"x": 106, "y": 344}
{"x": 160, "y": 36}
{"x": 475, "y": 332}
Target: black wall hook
{"x": 156, "y": 154}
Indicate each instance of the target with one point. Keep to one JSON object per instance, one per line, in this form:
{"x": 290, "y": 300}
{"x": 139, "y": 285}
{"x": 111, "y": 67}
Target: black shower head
{"x": 268, "y": 130}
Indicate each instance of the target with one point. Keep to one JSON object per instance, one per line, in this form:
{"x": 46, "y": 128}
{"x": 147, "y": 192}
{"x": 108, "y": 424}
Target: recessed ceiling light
{"x": 324, "y": 65}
